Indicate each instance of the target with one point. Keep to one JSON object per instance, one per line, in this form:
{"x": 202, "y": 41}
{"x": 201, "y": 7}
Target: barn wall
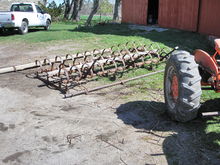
{"x": 210, "y": 17}
{"x": 180, "y": 14}
{"x": 134, "y": 11}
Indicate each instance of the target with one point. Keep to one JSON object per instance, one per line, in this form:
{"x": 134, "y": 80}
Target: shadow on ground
{"x": 11, "y": 32}
{"x": 184, "y": 143}
{"x": 185, "y": 40}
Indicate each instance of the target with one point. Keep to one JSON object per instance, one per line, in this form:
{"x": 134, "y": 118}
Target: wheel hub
{"x": 174, "y": 88}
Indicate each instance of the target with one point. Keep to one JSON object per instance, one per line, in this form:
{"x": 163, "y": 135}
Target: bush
{"x": 54, "y": 10}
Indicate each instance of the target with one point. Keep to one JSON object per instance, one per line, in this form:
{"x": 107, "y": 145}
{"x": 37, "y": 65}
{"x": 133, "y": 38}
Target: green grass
{"x": 103, "y": 36}
{"x": 96, "y": 18}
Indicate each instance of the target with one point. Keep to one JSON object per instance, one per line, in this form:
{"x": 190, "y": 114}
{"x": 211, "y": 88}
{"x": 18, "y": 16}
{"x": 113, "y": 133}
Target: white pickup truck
{"x": 24, "y": 15}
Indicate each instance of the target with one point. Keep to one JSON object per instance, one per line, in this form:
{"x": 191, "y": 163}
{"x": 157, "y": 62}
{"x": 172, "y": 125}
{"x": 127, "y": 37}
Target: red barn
{"x": 193, "y": 15}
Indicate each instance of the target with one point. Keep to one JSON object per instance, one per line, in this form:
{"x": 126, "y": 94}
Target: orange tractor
{"x": 185, "y": 74}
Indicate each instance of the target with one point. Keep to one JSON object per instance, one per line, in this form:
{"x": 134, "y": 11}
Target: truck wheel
{"x": 182, "y": 87}
{"x": 24, "y": 27}
{"x": 47, "y": 27}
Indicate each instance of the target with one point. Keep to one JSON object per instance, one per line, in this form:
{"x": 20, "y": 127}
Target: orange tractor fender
{"x": 206, "y": 61}
{"x": 209, "y": 64}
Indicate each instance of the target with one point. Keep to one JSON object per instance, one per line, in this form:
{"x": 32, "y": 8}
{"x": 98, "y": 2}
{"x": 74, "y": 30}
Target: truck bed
{"x": 5, "y": 16}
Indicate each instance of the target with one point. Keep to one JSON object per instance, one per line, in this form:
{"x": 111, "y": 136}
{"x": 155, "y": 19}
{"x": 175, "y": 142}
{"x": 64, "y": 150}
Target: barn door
{"x": 152, "y": 12}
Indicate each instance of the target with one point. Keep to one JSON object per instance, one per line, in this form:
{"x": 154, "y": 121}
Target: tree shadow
{"x": 184, "y": 143}
{"x": 186, "y": 40}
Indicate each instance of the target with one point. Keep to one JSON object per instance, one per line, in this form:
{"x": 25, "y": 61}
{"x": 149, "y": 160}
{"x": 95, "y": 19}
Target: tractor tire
{"x": 24, "y": 28}
{"x": 182, "y": 87}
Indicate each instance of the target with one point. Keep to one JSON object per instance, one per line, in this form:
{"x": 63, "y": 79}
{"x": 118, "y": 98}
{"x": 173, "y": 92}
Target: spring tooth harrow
{"x": 75, "y": 70}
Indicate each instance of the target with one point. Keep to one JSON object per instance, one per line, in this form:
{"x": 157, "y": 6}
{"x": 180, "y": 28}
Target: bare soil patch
{"x": 38, "y": 126}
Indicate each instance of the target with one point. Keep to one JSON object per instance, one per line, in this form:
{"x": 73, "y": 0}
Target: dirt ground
{"x": 39, "y": 127}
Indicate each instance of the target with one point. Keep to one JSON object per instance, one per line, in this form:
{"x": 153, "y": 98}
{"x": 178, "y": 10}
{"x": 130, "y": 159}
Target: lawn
{"x": 104, "y": 36}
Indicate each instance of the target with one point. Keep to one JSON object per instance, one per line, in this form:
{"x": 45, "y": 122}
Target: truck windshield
{"x": 22, "y": 7}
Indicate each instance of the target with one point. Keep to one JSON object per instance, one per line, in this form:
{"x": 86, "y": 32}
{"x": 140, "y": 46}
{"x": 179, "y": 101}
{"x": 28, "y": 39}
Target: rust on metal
{"x": 113, "y": 84}
{"x": 75, "y": 70}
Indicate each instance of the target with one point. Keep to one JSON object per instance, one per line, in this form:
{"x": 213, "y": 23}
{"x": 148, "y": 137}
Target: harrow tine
{"x": 82, "y": 67}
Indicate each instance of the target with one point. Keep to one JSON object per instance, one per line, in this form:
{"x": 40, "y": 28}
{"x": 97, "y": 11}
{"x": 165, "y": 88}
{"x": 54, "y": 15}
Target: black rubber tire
{"x": 48, "y": 23}
{"x": 185, "y": 107}
{"x": 24, "y": 28}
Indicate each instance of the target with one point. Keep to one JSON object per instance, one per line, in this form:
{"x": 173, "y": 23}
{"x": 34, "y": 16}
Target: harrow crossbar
{"x": 78, "y": 69}
{"x": 113, "y": 84}
{"x": 39, "y": 63}
{"x": 67, "y": 72}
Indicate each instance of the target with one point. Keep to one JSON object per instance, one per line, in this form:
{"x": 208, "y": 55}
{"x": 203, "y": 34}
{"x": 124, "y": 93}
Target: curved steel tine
{"x": 83, "y": 66}
{"x": 113, "y": 53}
{"x": 126, "y": 47}
{"x": 85, "y": 55}
{"x": 119, "y": 50}
{"x": 75, "y": 58}
{"x": 100, "y": 64}
{"x": 123, "y": 62}
{"x": 61, "y": 60}
{"x": 89, "y": 67}
{"x": 94, "y": 50}
{"x": 112, "y": 48}
{"x": 38, "y": 63}
{"x": 74, "y": 61}
{"x": 68, "y": 57}
{"x": 66, "y": 74}
{"x": 102, "y": 54}
{"x": 157, "y": 47}
{"x": 60, "y": 68}
{"x": 77, "y": 55}
{"x": 135, "y": 47}
{"x": 140, "y": 45}
{"x": 94, "y": 54}
{"x": 157, "y": 52}
{"x": 47, "y": 61}
{"x": 80, "y": 73}
{"x": 115, "y": 64}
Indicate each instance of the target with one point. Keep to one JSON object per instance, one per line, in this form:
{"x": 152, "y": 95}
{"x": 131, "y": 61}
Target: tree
{"x": 52, "y": 5}
{"x": 76, "y": 9}
{"x": 105, "y": 7}
{"x": 116, "y": 10}
{"x": 44, "y": 2}
{"x": 72, "y": 9}
{"x": 52, "y": 8}
{"x": 67, "y": 8}
{"x": 93, "y": 12}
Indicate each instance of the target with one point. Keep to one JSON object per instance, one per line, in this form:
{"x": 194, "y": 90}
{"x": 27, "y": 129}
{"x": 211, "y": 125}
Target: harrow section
{"x": 65, "y": 73}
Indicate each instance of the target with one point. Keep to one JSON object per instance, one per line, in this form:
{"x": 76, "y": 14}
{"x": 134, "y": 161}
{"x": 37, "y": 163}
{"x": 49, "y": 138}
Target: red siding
{"x": 210, "y": 17}
{"x": 180, "y": 14}
{"x": 134, "y": 11}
